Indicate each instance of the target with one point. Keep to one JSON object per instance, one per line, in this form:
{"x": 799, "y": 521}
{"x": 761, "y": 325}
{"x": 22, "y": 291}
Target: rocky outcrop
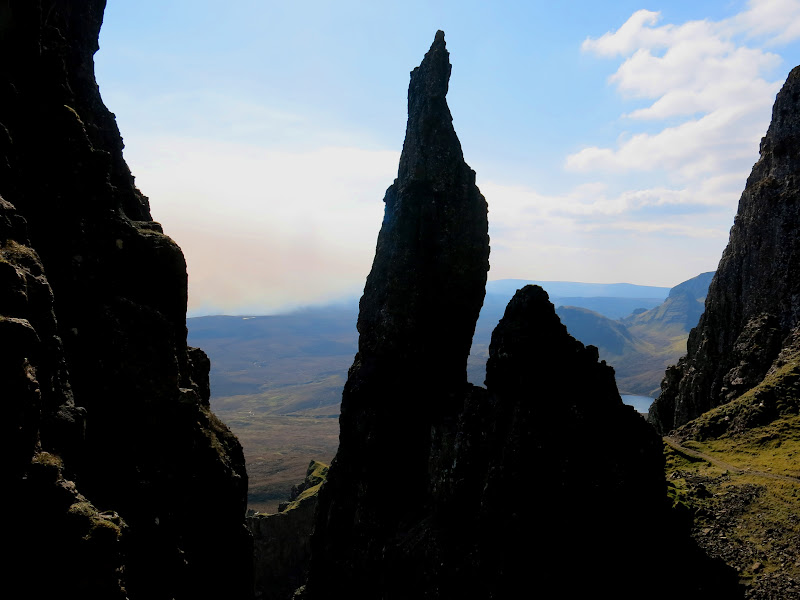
{"x": 776, "y": 396}
{"x": 94, "y": 360}
{"x": 643, "y": 344}
{"x": 282, "y": 540}
{"x": 753, "y": 301}
{"x": 542, "y": 480}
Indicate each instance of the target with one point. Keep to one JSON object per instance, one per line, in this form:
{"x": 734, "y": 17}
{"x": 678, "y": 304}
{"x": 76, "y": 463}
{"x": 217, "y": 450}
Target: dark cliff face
{"x": 753, "y": 301}
{"x": 443, "y": 490}
{"x": 94, "y": 297}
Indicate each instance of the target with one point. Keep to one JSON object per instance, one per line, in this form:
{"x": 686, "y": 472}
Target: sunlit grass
{"x": 754, "y": 507}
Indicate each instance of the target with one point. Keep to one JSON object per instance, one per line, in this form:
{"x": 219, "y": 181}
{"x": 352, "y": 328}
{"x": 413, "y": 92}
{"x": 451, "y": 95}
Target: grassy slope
{"x": 750, "y": 521}
{"x": 660, "y": 336}
{"x": 748, "y": 514}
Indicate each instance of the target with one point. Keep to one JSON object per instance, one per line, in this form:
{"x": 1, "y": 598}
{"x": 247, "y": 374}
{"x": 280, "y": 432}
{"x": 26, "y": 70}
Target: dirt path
{"x": 676, "y": 445}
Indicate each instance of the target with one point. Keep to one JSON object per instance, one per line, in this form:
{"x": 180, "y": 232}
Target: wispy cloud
{"x": 777, "y": 21}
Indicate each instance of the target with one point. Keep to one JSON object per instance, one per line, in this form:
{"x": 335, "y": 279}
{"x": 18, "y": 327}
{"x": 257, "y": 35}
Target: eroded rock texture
{"x": 753, "y": 301}
{"x": 541, "y": 483}
{"x": 94, "y": 358}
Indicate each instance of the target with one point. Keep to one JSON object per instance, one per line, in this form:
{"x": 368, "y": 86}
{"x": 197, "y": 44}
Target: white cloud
{"x": 776, "y": 20}
{"x": 631, "y": 36}
{"x": 521, "y": 208}
{"x": 724, "y": 140}
{"x": 701, "y": 73}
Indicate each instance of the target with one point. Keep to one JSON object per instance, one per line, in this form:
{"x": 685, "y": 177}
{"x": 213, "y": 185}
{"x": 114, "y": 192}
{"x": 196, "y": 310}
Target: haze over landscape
{"x": 611, "y": 140}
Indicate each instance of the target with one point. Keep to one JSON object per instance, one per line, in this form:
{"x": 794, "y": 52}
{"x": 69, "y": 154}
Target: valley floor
{"x": 278, "y": 450}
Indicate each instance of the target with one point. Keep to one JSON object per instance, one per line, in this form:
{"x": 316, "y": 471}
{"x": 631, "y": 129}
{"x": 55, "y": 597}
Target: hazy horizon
{"x": 351, "y": 302}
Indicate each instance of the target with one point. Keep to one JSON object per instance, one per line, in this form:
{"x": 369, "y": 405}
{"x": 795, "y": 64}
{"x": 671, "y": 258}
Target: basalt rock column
{"x": 753, "y": 301}
{"x": 416, "y": 321}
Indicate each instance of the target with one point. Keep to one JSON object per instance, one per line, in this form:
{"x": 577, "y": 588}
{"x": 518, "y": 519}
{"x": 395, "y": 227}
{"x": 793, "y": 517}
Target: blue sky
{"x": 611, "y": 140}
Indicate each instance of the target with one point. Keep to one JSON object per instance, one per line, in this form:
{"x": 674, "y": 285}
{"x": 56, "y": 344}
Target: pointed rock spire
{"x": 417, "y": 317}
{"x": 426, "y": 287}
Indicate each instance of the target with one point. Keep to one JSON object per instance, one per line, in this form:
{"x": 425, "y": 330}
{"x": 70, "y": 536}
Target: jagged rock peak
{"x": 753, "y": 301}
{"x": 430, "y": 123}
{"x": 785, "y": 124}
{"x": 431, "y": 78}
{"x": 531, "y": 333}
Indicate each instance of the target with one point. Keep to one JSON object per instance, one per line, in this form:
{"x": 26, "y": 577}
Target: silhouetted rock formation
{"x": 753, "y": 301}
{"x": 563, "y": 441}
{"x": 544, "y": 480}
{"x": 94, "y": 357}
{"x": 416, "y": 321}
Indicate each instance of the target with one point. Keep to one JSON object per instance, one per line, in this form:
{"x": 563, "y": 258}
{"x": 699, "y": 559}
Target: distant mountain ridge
{"x": 306, "y": 353}
{"x": 557, "y": 289}
{"x": 301, "y": 357}
{"x": 596, "y": 329}
{"x": 683, "y": 306}
{"x": 641, "y": 346}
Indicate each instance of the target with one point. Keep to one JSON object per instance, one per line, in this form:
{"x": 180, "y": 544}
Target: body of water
{"x": 640, "y": 403}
